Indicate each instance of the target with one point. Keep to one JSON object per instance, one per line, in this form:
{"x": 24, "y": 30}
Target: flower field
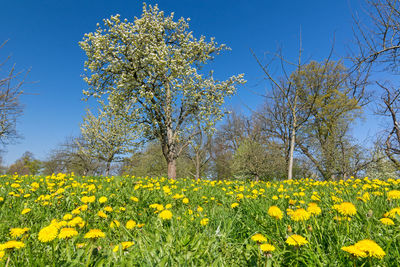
{"x": 64, "y": 220}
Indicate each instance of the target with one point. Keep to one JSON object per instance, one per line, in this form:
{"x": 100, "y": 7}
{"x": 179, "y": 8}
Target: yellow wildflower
{"x": 296, "y": 240}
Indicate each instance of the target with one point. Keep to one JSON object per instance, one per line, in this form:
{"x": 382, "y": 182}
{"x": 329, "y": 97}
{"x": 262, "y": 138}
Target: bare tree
{"x": 68, "y": 157}
{"x": 378, "y": 48}
{"x": 199, "y": 151}
{"x": 390, "y": 108}
{"x": 285, "y": 92}
{"x": 10, "y": 106}
{"x": 378, "y": 39}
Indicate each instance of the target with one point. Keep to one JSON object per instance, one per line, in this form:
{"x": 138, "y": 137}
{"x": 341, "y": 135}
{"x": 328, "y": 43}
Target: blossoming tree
{"x": 153, "y": 65}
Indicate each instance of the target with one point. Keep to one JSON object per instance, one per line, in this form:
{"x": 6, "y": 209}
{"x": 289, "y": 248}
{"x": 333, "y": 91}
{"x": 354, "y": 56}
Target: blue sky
{"x": 44, "y": 36}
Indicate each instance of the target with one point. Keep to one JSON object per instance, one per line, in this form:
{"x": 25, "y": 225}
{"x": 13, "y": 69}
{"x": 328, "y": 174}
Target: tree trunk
{"x": 108, "y": 167}
{"x": 198, "y": 166}
{"x": 291, "y": 153}
{"x": 171, "y": 169}
{"x": 292, "y": 139}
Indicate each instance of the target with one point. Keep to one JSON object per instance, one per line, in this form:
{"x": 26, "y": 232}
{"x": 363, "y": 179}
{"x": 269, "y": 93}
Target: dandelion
{"x": 365, "y": 248}
{"x": 67, "y": 217}
{"x": 77, "y": 221}
{"x": 108, "y": 209}
{"x": 371, "y": 248}
{"x": 204, "y": 221}
{"x": 346, "y": 209}
{"x": 102, "y": 199}
{"x": 18, "y": 232}
{"x": 314, "y": 209}
{"x": 299, "y": 215}
{"x": 234, "y": 205}
{"x": 353, "y": 250}
{"x": 130, "y": 224}
{"x": 296, "y": 240}
{"x": 67, "y": 233}
{"x": 159, "y": 207}
{"x": 275, "y": 212}
{"x": 259, "y": 238}
{"x": 87, "y": 199}
{"x": 25, "y": 211}
{"x": 123, "y": 245}
{"x": 267, "y": 247}
{"x": 48, "y": 233}
{"x": 94, "y": 233}
{"x": 134, "y": 199}
{"x": 11, "y": 245}
{"x": 114, "y": 224}
{"x": 102, "y": 214}
{"x": 387, "y": 221}
{"x": 165, "y": 215}
{"x": 394, "y": 194}
{"x": 185, "y": 200}
{"x": 392, "y": 213}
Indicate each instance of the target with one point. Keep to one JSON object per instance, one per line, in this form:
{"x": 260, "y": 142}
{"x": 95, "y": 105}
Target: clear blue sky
{"x": 44, "y": 36}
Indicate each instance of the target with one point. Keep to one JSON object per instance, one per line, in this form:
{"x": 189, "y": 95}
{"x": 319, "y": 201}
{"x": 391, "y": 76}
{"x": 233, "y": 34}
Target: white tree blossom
{"x": 109, "y": 135}
{"x": 153, "y": 66}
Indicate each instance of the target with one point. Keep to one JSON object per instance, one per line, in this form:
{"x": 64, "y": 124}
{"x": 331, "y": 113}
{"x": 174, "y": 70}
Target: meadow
{"x": 65, "y": 220}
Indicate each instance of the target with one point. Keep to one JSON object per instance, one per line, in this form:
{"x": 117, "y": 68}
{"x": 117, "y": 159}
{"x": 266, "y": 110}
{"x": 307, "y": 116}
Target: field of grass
{"x": 64, "y": 220}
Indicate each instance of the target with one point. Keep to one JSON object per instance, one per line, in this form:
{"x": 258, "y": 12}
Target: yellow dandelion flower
{"x": 94, "y": 233}
{"x": 67, "y": 233}
{"x": 134, "y": 199}
{"x": 296, "y": 240}
{"x": 185, "y": 200}
{"x": 25, "y": 211}
{"x": 114, "y": 224}
{"x": 394, "y": 194}
{"x": 387, "y": 221}
{"x": 48, "y": 233}
{"x": 346, "y": 209}
{"x": 353, "y": 250}
{"x": 371, "y": 248}
{"x": 159, "y": 207}
{"x": 315, "y": 198}
{"x": 18, "y": 232}
{"x": 108, "y": 209}
{"x": 102, "y": 214}
{"x": 259, "y": 238}
{"x": 204, "y": 221}
{"x": 275, "y": 212}
{"x": 234, "y": 205}
{"x": 67, "y": 217}
{"x": 267, "y": 247}
{"x": 314, "y": 209}
{"x": 11, "y": 245}
{"x": 165, "y": 215}
{"x": 130, "y": 224}
{"x": 299, "y": 215}
{"x": 392, "y": 213}
{"x": 102, "y": 199}
{"x": 76, "y": 221}
{"x": 123, "y": 245}
{"x": 87, "y": 199}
